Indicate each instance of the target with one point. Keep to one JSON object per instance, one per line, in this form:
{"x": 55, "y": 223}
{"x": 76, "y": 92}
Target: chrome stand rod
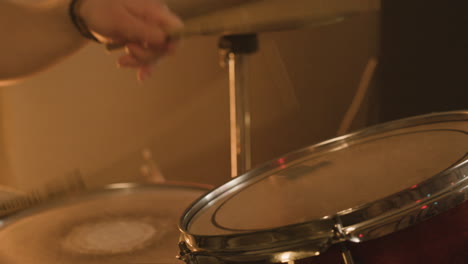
{"x": 346, "y": 255}
{"x": 235, "y": 50}
{"x": 239, "y": 113}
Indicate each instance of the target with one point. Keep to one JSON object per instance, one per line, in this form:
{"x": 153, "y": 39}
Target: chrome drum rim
{"x": 447, "y": 189}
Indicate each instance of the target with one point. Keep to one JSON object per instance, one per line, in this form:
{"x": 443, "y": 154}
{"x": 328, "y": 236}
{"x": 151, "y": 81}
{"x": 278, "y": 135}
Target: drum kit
{"x": 392, "y": 193}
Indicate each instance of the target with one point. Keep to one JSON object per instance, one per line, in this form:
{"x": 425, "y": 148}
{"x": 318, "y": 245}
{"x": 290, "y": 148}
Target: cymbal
{"x": 7, "y": 193}
{"x": 256, "y": 16}
{"x": 120, "y": 223}
{"x": 191, "y": 8}
{"x": 275, "y": 15}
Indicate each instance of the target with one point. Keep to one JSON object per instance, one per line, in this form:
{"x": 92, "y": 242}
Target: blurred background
{"x": 87, "y": 115}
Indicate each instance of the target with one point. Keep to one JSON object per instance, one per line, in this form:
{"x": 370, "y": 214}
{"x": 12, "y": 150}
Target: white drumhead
{"x": 126, "y": 224}
{"x": 323, "y": 183}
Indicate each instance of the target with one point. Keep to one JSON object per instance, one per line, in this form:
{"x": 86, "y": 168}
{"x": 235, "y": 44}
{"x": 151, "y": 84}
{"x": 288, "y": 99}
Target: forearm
{"x": 34, "y": 38}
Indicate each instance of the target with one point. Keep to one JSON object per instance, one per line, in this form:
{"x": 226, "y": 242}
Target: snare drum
{"x": 393, "y": 193}
{"x": 122, "y": 223}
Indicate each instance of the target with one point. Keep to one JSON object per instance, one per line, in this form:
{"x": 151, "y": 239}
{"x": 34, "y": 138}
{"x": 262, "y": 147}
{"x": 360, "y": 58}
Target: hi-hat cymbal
{"x": 275, "y": 15}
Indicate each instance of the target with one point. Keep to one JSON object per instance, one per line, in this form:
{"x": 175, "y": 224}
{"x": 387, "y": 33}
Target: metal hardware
{"x": 236, "y": 48}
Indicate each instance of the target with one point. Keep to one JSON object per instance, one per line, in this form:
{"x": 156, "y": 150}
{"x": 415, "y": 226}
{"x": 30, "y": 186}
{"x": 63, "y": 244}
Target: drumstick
{"x": 283, "y": 84}
{"x": 359, "y": 97}
{"x": 150, "y": 170}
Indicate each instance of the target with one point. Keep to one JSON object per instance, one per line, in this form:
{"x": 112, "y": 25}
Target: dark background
{"x": 424, "y": 57}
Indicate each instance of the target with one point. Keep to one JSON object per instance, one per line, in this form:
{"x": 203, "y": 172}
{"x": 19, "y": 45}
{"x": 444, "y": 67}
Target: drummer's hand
{"x": 141, "y": 25}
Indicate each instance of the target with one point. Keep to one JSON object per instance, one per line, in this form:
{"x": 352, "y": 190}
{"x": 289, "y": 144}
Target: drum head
{"x": 121, "y": 224}
{"x": 348, "y": 180}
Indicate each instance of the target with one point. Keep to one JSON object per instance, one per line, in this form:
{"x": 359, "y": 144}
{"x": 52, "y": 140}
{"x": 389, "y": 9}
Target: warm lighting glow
{"x": 414, "y": 186}
{"x": 424, "y": 207}
{"x": 285, "y": 257}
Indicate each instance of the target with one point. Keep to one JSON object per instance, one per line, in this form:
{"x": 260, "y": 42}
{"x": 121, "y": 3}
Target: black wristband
{"x": 79, "y": 22}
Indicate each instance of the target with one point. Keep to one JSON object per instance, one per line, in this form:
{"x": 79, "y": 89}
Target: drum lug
{"x": 340, "y": 237}
{"x": 185, "y": 254}
{"x": 339, "y": 234}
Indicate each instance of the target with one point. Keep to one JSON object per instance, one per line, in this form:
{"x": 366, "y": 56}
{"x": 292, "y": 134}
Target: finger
{"x": 145, "y": 55}
{"x": 172, "y": 46}
{"x": 144, "y": 72}
{"x": 127, "y": 61}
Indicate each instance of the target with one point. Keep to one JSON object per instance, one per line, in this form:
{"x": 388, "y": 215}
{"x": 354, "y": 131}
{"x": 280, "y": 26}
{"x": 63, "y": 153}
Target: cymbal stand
{"x": 235, "y": 50}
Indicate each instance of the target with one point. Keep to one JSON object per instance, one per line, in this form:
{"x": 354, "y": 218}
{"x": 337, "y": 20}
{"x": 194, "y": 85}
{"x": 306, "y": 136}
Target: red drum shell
{"x": 443, "y": 239}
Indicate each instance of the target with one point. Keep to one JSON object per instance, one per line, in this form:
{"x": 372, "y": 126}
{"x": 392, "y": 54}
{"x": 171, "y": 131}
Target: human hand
{"x": 142, "y": 26}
